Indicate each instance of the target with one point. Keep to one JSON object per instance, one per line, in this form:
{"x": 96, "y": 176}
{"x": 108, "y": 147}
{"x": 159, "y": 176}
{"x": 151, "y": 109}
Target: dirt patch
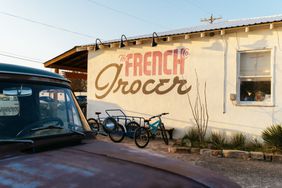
{"x": 245, "y": 172}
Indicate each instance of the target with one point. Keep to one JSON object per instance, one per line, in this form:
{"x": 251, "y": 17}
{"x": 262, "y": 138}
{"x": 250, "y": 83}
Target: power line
{"x": 13, "y": 54}
{"x": 21, "y": 58}
{"x": 46, "y": 25}
{"x": 127, "y": 14}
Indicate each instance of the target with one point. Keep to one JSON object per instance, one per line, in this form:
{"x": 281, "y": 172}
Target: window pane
{"x": 255, "y": 91}
{"x": 53, "y": 105}
{"x": 73, "y": 113}
{"x": 255, "y": 64}
{"x": 9, "y": 105}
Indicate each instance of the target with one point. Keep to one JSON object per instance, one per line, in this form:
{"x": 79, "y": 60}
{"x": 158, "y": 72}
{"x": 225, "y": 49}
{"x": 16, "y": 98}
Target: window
{"x": 9, "y": 105}
{"x": 57, "y": 103}
{"x": 52, "y": 104}
{"x": 73, "y": 113}
{"x": 255, "y": 77}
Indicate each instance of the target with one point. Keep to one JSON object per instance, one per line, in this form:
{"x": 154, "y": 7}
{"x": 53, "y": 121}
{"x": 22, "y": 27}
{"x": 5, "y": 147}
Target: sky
{"x": 35, "y": 31}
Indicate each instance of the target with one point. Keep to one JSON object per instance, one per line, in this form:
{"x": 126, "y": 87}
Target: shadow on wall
{"x": 100, "y": 106}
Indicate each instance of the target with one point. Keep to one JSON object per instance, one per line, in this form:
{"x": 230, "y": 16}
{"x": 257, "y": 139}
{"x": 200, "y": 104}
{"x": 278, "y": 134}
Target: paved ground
{"x": 246, "y": 173}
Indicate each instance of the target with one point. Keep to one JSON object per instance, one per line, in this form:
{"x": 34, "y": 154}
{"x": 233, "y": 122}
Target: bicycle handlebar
{"x": 159, "y": 115}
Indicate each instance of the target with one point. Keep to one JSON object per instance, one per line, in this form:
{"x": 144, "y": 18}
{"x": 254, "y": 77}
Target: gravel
{"x": 247, "y": 173}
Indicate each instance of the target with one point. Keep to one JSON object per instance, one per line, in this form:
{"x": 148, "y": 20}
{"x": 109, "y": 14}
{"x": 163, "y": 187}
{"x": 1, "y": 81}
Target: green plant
{"x": 272, "y": 136}
{"x": 200, "y": 111}
{"x": 238, "y": 141}
{"x": 192, "y": 136}
{"x": 253, "y": 145}
{"x": 217, "y": 140}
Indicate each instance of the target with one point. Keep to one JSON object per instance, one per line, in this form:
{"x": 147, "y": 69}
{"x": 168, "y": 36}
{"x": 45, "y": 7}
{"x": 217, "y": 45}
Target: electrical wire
{"x": 45, "y": 24}
{"x": 13, "y": 54}
{"x": 21, "y": 58}
{"x": 127, "y": 14}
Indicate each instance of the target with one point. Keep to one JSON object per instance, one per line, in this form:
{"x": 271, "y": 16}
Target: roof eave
{"x": 65, "y": 54}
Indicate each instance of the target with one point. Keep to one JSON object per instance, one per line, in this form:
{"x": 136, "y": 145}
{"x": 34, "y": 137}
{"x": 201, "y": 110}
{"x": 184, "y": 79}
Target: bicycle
{"x": 109, "y": 127}
{"x": 143, "y": 134}
{"x": 128, "y": 123}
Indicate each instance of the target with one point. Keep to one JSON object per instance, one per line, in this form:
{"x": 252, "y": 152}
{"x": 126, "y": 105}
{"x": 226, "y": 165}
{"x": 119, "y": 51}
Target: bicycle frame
{"x": 149, "y": 130}
{"x": 153, "y": 127}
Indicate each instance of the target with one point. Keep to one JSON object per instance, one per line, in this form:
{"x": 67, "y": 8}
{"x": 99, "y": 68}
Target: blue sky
{"x": 107, "y": 19}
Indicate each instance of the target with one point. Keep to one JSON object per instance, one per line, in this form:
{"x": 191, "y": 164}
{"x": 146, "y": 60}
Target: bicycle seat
{"x": 146, "y": 120}
{"x": 97, "y": 113}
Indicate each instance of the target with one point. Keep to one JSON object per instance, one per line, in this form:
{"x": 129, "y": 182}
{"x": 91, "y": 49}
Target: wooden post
{"x": 57, "y": 70}
{"x": 56, "y": 94}
{"x": 222, "y": 32}
{"x": 187, "y": 37}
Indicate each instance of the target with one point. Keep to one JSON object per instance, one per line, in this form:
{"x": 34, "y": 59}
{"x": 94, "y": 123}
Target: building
{"x": 239, "y": 60}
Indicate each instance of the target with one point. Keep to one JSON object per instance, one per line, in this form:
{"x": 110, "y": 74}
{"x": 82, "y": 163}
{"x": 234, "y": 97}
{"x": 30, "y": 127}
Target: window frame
{"x": 239, "y": 78}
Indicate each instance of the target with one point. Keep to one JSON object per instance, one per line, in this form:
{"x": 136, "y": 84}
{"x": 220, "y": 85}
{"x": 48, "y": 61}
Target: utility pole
{"x": 211, "y": 19}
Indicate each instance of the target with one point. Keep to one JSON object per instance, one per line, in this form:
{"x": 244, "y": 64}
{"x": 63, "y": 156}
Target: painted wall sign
{"x": 149, "y": 64}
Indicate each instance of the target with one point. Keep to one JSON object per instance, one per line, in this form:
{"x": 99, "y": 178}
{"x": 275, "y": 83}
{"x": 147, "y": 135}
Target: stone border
{"x": 236, "y": 154}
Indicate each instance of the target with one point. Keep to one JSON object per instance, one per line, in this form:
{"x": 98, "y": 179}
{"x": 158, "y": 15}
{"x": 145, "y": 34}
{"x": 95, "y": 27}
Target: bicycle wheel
{"x": 93, "y": 124}
{"x": 109, "y": 124}
{"x": 164, "y": 135}
{"x": 117, "y": 135}
{"x": 141, "y": 137}
{"x": 130, "y": 128}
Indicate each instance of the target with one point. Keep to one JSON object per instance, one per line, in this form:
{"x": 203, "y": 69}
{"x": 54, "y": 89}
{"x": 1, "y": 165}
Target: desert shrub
{"x": 253, "y": 145}
{"x": 238, "y": 141}
{"x": 272, "y": 136}
{"x": 191, "y": 136}
{"x": 217, "y": 140}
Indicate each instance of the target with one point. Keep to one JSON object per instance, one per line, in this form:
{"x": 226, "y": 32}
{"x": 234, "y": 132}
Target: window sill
{"x": 254, "y": 104}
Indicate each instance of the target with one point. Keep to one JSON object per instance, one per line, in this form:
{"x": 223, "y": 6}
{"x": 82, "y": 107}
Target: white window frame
{"x": 256, "y": 103}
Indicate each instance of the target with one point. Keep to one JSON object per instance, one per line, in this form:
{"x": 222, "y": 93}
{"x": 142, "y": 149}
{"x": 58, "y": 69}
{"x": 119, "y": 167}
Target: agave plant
{"x": 217, "y": 140}
{"x": 273, "y": 136}
{"x": 193, "y": 137}
{"x": 253, "y": 145}
{"x": 238, "y": 141}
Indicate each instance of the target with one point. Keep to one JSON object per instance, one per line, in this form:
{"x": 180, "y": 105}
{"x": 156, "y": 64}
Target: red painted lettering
{"x": 147, "y": 63}
{"x": 137, "y": 64}
{"x": 166, "y": 54}
{"x": 157, "y": 59}
{"x": 127, "y": 64}
{"x": 178, "y": 61}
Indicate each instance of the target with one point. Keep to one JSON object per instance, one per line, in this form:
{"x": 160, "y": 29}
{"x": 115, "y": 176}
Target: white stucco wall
{"x": 209, "y": 56}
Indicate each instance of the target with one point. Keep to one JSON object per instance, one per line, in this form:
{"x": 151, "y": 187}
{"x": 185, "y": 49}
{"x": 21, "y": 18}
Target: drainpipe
{"x": 225, "y": 45}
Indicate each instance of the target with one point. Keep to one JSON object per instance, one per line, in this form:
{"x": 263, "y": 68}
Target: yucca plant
{"x": 253, "y": 145}
{"x": 217, "y": 140}
{"x": 238, "y": 141}
{"x": 192, "y": 136}
{"x": 272, "y": 136}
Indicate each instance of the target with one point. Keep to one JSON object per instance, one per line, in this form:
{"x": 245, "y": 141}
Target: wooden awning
{"x": 74, "y": 59}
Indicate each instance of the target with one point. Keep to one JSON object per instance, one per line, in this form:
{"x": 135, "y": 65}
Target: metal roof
{"x": 21, "y": 70}
{"x": 76, "y": 58}
{"x": 210, "y": 27}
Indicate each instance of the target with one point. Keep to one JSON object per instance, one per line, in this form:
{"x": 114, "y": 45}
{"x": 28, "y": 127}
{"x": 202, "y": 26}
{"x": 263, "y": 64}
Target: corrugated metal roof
{"x": 210, "y": 27}
{"x": 189, "y": 30}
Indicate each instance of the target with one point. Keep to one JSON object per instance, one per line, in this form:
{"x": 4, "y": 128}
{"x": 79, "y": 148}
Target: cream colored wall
{"x": 208, "y": 56}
